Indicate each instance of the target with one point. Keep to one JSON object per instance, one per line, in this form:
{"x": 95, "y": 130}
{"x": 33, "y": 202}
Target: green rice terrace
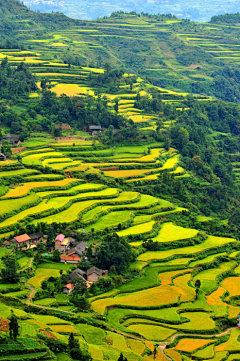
{"x": 179, "y": 301}
{"x": 119, "y": 188}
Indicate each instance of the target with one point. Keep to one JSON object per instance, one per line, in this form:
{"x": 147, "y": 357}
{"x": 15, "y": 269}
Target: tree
{"x": 9, "y": 273}
{"x": 155, "y": 352}
{"x": 198, "y": 284}
{"x": 116, "y": 105}
{"x": 56, "y": 256}
{"x": 114, "y": 251}
{"x": 81, "y": 302}
{"x": 72, "y": 342}
{"x": 75, "y": 352}
{"x": 79, "y": 286}
{"x": 13, "y": 326}
{"x": 121, "y": 358}
{"x": 6, "y": 149}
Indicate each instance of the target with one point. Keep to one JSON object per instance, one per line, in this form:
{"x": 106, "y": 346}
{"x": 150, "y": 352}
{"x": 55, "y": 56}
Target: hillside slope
{"x": 200, "y": 58}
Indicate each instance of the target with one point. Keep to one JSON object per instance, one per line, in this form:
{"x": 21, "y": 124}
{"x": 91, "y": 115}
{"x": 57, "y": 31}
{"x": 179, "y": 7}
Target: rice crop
{"x": 156, "y": 296}
{"x": 71, "y": 90}
{"x": 111, "y": 220}
{"x": 26, "y": 187}
{"x": 28, "y": 212}
{"x": 136, "y": 346}
{"x": 63, "y": 329}
{"x": 208, "y": 277}
{"x": 169, "y": 233}
{"x": 207, "y": 259}
{"x": 152, "y": 332}
{"x": 18, "y": 172}
{"x": 232, "y": 344}
{"x": 209, "y": 243}
{"x": 232, "y": 285}
{"x": 139, "y": 229}
{"x": 191, "y": 344}
{"x": 41, "y": 274}
{"x": 187, "y": 293}
{"x": 79, "y": 187}
{"x": 49, "y": 320}
{"x": 166, "y": 277}
{"x": 215, "y": 298}
{"x": 127, "y": 173}
{"x": 206, "y": 353}
{"x": 10, "y": 205}
{"x": 91, "y": 334}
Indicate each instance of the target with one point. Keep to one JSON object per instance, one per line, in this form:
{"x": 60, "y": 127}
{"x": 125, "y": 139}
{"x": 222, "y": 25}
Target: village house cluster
{"x": 73, "y": 254}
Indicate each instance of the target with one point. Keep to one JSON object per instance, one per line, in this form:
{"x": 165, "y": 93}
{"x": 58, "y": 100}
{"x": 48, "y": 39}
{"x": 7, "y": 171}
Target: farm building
{"x": 70, "y": 259}
{"x": 68, "y": 288}
{"x": 94, "y": 273}
{"x": 2, "y": 157}
{"x": 62, "y": 243}
{"x": 94, "y": 129}
{"x": 77, "y": 273}
{"x": 11, "y": 138}
{"x": 78, "y": 250}
{"x": 36, "y": 237}
{"x": 24, "y": 240}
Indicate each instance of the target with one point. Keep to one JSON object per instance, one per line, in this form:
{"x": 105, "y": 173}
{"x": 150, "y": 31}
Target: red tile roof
{"x": 70, "y": 254}
{"x": 69, "y": 286}
{"x": 70, "y": 258}
{"x": 22, "y": 238}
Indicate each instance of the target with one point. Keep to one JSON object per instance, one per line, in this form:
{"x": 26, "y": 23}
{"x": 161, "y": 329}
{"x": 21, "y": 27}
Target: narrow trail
{"x": 163, "y": 345}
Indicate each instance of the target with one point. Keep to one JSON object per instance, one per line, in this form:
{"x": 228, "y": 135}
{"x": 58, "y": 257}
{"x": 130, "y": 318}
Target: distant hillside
{"x": 200, "y": 11}
{"x": 172, "y": 53}
{"x": 15, "y": 15}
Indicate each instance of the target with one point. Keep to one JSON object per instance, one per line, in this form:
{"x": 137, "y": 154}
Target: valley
{"x": 119, "y": 188}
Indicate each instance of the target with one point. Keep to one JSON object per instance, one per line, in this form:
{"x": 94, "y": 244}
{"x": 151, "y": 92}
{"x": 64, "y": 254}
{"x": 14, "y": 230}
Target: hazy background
{"x": 198, "y": 10}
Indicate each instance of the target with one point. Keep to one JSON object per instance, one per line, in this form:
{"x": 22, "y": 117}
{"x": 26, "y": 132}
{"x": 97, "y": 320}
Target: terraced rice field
{"x": 159, "y": 300}
{"x": 169, "y": 233}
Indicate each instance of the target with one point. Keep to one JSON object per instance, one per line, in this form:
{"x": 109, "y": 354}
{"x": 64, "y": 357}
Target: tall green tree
{"x": 13, "y": 326}
{"x": 9, "y": 272}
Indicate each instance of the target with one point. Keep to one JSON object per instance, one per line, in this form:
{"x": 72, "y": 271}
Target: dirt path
{"x": 163, "y": 345}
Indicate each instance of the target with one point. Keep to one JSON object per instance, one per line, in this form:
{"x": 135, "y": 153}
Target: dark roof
{"x": 77, "y": 273}
{"x": 2, "y": 155}
{"x": 95, "y": 127}
{"x": 36, "y": 235}
{"x": 10, "y": 136}
{"x": 79, "y": 248}
{"x": 95, "y": 270}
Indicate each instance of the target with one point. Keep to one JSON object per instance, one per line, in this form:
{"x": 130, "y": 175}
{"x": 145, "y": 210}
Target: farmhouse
{"x": 36, "y": 237}
{"x": 94, "y": 273}
{"x": 11, "y": 138}
{"x": 94, "y": 129}
{"x": 78, "y": 250}
{"x": 77, "y": 273}
{"x": 70, "y": 259}
{"x": 68, "y": 288}
{"x": 24, "y": 240}
{"x": 62, "y": 243}
{"x": 2, "y": 157}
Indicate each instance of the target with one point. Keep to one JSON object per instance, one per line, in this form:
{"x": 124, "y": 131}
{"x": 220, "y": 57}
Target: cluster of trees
{"x": 229, "y": 19}
{"x": 9, "y": 273}
{"x": 15, "y": 82}
{"x": 114, "y": 252}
